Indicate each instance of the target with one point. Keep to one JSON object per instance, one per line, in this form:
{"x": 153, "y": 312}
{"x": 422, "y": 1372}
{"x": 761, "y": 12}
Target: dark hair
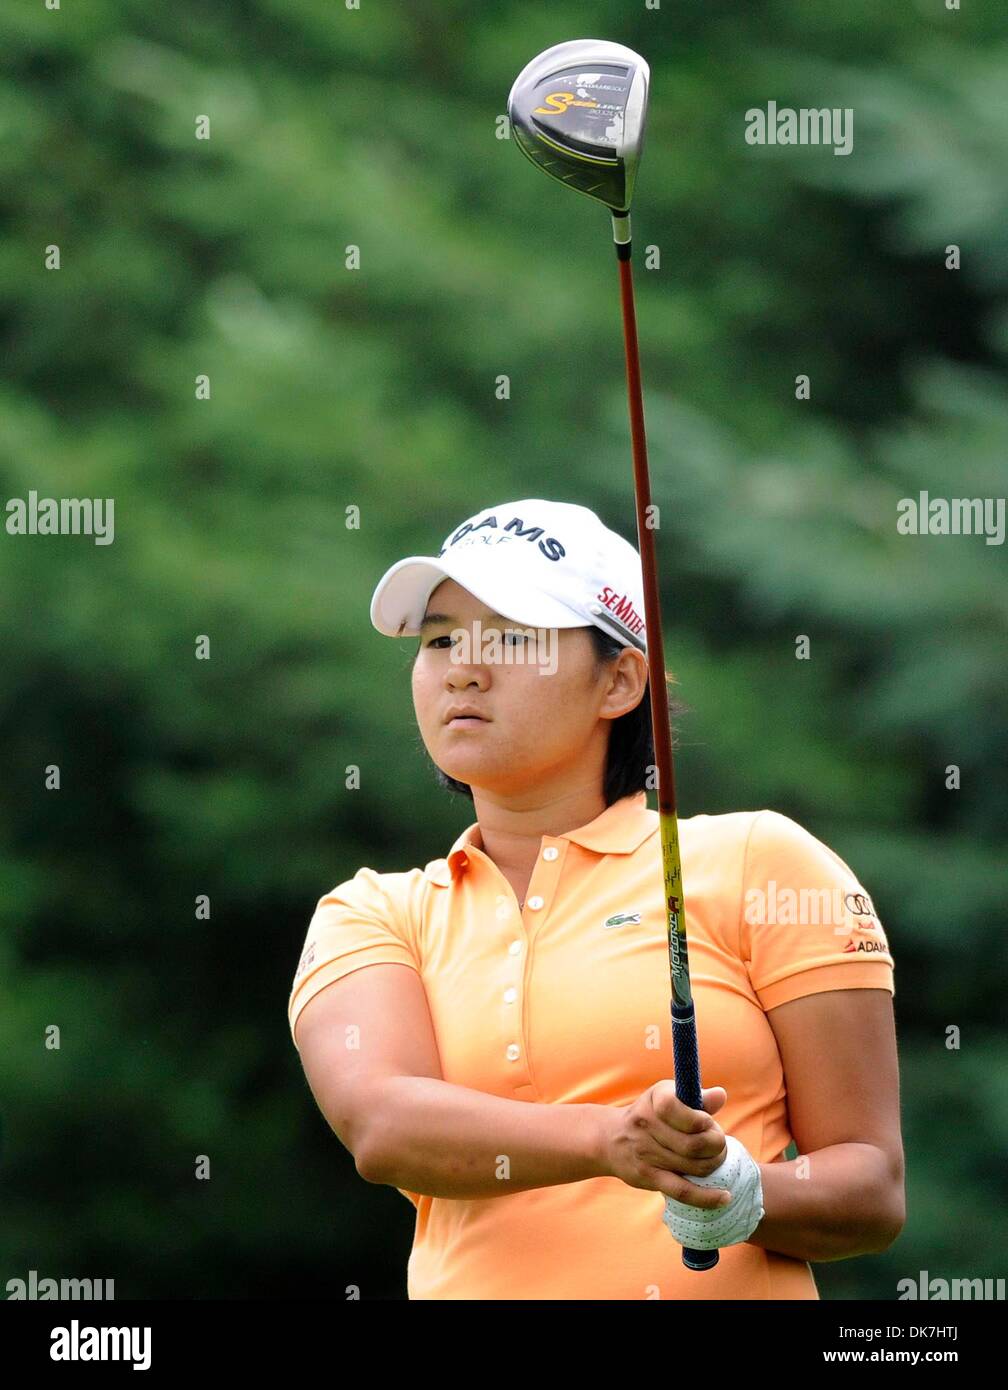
{"x": 631, "y": 745}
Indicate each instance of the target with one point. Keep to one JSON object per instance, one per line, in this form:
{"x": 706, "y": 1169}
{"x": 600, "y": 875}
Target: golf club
{"x": 578, "y": 111}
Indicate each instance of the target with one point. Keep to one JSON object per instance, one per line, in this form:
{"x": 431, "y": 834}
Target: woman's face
{"x": 544, "y": 721}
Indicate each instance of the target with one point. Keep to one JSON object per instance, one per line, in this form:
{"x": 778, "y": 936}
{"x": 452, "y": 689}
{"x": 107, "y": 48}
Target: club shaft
{"x": 684, "y": 1038}
{"x": 645, "y": 537}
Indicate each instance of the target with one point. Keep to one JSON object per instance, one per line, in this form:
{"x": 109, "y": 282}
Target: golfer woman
{"x": 490, "y": 1034}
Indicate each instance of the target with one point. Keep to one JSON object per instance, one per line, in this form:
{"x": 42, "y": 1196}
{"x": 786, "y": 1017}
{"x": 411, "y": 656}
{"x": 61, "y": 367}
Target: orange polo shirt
{"x": 567, "y": 1002}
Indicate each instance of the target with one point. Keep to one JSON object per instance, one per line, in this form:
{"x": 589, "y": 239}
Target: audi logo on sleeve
{"x": 860, "y": 904}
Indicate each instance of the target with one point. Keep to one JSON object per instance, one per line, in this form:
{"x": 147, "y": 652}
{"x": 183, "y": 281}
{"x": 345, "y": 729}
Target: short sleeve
{"x": 807, "y": 924}
{"x": 361, "y": 922}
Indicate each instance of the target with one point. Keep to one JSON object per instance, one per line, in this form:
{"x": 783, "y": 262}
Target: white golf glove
{"x": 700, "y": 1228}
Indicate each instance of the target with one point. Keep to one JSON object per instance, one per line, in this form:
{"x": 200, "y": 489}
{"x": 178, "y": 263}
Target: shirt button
{"x": 510, "y": 995}
{"x": 535, "y": 903}
{"x": 514, "y": 948}
{"x": 550, "y": 853}
{"x": 512, "y": 1052}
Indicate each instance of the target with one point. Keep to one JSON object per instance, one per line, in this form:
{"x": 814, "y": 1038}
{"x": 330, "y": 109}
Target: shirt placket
{"x": 539, "y": 898}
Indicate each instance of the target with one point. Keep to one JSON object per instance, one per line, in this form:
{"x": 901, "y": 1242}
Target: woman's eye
{"x": 509, "y": 633}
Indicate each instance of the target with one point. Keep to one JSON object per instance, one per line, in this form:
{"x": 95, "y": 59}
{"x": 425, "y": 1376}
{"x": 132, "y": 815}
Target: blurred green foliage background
{"x": 375, "y": 388}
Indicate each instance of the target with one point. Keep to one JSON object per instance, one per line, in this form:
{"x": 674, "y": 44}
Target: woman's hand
{"x": 657, "y": 1140}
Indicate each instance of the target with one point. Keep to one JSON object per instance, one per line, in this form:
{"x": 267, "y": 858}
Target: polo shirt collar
{"x": 620, "y": 829}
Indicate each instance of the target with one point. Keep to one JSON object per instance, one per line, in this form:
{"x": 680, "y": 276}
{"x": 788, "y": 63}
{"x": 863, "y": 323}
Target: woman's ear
{"x": 636, "y": 670}
{"x": 628, "y": 679}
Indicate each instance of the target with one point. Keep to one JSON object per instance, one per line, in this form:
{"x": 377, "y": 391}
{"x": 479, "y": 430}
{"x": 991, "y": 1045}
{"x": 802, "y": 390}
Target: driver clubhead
{"x": 578, "y": 111}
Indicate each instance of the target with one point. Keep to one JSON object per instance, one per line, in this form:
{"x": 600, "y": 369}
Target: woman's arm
{"x": 382, "y": 1090}
{"x": 445, "y": 1140}
{"x": 845, "y": 1195}
{"x": 451, "y": 1141}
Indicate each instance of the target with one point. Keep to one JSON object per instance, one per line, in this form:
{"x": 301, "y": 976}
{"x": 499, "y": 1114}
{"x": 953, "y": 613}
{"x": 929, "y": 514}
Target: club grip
{"x": 687, "y": 1088}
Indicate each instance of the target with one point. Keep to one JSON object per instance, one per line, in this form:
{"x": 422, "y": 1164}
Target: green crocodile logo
{"x": 618, "y": 918}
